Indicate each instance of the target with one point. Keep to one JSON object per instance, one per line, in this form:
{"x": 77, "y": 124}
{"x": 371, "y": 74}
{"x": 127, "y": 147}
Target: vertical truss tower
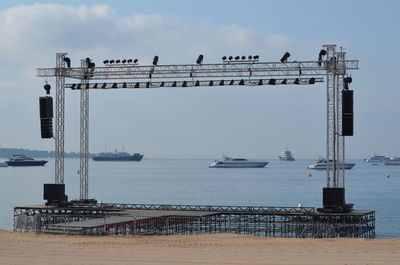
{"x": 59, "y": 118}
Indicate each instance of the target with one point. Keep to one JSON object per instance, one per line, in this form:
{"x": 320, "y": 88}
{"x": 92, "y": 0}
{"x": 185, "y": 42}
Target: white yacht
{"x": 229, "y": 162}
{"x": 376, "y": 158}
{"x": 393, "y": 161}
{"x": 286, "y": 155}
{"x": 321, "y": 164}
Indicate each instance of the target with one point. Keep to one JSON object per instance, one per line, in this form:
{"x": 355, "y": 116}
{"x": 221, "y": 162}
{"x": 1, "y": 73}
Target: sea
{"x": 192, "y": 182}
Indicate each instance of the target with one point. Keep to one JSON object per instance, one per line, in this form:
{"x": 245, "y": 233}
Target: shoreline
{"x": 33, "y": 248}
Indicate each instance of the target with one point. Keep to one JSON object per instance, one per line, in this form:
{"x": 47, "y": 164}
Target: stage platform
{"x": 160, "y": 219}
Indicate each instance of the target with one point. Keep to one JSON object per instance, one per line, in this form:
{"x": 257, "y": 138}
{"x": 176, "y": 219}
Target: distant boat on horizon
{"x": 393, "y": 161}
{"x": 229, "y": 162}
{"x": 375, "y": 158}
{"x": 321, "y": 164}
{"x": 286, "y": 155}
{"x": 24, "y": 161}
{"x": 117, "y": 156}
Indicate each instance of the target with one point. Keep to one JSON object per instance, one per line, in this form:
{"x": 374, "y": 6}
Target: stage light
{"x": 174, "y": 84}
{"x": 148, "y": 84}
{"x": 111, "y": 61}
{"x": 243, "y": 57}
{"x": 184, "y": 84}
{"x": 230, "y": 58}
{"x": 211, "y": 83}
{"x": 221, "y": 83}
{"x": 241, "y": 83}
{"x": 95, "y": 85}
{"x": 129, "y": 61}
{"x": 123, "y": 61}
{"x": 73, "y": 86}
{"x": 348, "y": 80}
{"x": 104, "y": 85}
{"x": 87, "y": 86}
{"x": 285, "y": 57}
{"x": 237, "y": 57}
{"x": 105, "y": 61}
{"x": 272, "y": 81}
{"x": 260, "y": 83}
{"x": 155, "y": 60}
{"x": 89, "y": 63}
{"x": 311, "y": 81}
{"x": 250, "y": 57}
{"x": 135, "y": 61}
{"x": 284, "y": 81}
{"x": 255, "y": 57}
{"x": 114, "y": 85}
{"x": 231, "y": 82}
{"x": 296, "y": 82}
{"x": 200, "y": 59}
{"x": 124, "y": 85}
{"x": 78, "y": 86}
{"x": 197, "y": 83}
{"x": 162, "y": 84}
{"x": 67, "y": 61}
{"x": 117, "y": 61}
{"x": 137, "y": 85}
{"x": 223, "y": 58}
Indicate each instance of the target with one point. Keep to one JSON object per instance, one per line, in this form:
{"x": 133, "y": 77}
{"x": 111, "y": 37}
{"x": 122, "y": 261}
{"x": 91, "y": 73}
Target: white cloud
{"x": 33, "y": 34}
{"x": 47, "y": 28}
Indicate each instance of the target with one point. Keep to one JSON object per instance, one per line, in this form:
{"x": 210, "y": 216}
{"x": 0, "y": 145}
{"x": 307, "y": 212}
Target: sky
{"x": 251, "y": 122}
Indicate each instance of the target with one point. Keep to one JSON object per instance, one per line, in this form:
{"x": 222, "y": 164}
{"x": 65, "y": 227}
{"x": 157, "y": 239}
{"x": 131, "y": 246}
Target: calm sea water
{"x": 190, "y": 181}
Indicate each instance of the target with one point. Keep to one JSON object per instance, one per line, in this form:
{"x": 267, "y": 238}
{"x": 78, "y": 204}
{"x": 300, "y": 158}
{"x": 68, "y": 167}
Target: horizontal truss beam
{"x": 192, "y": 83}
{"x": 237, "y": 69}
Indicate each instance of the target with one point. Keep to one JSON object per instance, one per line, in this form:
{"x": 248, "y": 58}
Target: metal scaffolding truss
{"x": 232, "y": 69}
{"x": 233, "y": 73}
{"x": 194, "y": 219}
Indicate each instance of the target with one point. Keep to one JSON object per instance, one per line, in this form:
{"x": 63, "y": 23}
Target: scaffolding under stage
{"x": 151, "y": 219}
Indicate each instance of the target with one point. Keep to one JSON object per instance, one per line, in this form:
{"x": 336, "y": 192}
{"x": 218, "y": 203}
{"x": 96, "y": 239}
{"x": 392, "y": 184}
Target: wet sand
{"x": 32, "y": 248}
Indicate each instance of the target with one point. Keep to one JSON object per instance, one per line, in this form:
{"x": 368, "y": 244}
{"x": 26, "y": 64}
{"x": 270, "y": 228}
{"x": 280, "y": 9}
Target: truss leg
{"x": 331, "y": 169}
{"x": 59, "y": 118}
{"x": 84, "y": 140}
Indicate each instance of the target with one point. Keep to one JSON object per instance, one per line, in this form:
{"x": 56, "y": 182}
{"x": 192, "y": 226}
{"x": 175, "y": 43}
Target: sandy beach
{"x": 32, "y": 248}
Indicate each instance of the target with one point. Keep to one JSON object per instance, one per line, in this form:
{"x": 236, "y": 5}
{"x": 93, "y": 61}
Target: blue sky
{"x": 193, "y": 123}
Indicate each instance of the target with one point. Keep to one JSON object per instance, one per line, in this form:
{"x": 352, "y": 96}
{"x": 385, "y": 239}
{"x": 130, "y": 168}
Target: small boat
{"x": 376, "y": 158}
{"x": 393, "y": 161}
{"x": 286, "y": 155}
{"x": 118, "y": 156}
{"x": 24, "y": 161}
{"x": 320, "y": 164}
{"x": 229, "y": 162}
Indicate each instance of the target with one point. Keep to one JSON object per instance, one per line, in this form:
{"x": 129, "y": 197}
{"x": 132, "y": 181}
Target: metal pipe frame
{"x": 253, "y": 70}
{"x": 333, "y": 67}
{"x": 196, "y": 83}
{"x": 84, "y": 139}
{"x": 59, "y": 118}
{"x": 266, "y": 223}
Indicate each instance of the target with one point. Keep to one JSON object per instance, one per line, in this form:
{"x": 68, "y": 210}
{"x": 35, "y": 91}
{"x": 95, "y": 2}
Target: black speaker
{"x": 347, "y": 125}
{"x": 333, "y": 198}
{"x": 54, "y": 193}
{"x": 46, "y": 128}
{"x": 347, "y": 101}
{"x": 347, "y": 113}
{"x": 46, "y": 107}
